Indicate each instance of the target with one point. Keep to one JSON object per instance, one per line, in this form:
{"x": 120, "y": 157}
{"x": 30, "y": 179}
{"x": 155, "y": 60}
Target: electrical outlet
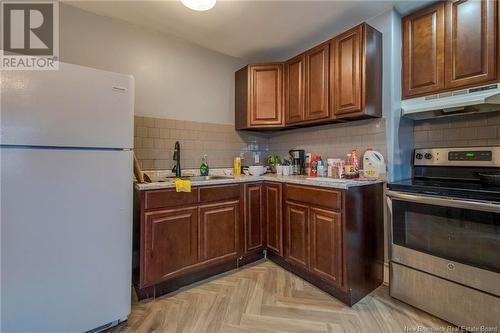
{"x": 256, "y": 158}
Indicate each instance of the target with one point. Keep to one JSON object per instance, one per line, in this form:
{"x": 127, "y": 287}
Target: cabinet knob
{"x": 450, "y": 266}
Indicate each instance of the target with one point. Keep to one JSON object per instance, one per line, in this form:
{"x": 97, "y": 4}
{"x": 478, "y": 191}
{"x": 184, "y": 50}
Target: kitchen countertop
{"x": 300, "y": 180}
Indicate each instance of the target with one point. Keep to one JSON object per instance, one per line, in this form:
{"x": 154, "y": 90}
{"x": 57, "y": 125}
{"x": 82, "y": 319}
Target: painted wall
{"x": 174, "y": 79}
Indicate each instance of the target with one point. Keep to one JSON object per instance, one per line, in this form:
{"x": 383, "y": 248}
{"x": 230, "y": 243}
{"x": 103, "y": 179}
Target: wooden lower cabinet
{"x": 273, "y": 217}
{"x": 329, "y": 237}
{"x": 326, "y": 257}
{"x": 219, "y": 231}
{"x": 254, "y": 222}
{"x": 171, "y": 242}
{"x": 297, "y": 237}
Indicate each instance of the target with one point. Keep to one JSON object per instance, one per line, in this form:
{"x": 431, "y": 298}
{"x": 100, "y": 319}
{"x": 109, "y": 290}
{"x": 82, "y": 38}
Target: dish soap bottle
{"x": 204, "y": 166}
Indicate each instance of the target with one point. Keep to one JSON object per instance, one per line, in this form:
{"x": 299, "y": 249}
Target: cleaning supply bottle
{"x": 373, "y": 164}
{"x": 204, "y": 166}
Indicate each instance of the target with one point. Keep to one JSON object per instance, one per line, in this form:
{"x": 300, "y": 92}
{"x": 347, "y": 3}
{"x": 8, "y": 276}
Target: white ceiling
{"x": 252, "y": 30}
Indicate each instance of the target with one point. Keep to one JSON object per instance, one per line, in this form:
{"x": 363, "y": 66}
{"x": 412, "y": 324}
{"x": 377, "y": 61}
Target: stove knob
{"x": 419, "y": 156}
{"x": 428, "y": 156}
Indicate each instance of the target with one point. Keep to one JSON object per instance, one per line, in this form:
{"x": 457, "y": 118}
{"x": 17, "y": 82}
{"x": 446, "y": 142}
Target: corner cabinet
{"x": 295, "y": 90}
{"x": 259, "y": 96}
{"x": 337, "y": 80}
{"x": 450, "y": 45}
{"x": 356, "y": 77}
{"x": 272, "y": 196}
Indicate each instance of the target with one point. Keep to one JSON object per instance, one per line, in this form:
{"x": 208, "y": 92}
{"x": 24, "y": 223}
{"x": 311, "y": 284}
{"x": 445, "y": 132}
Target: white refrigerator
{"x": 66, "y": 199}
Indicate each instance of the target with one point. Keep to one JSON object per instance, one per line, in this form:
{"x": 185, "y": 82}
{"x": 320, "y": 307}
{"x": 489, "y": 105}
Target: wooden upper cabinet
{"x": 254, "y": 222}
{"x": 450, "y": 45}
{"x": 471, "y": 42}
{"x": 317, "y": 61}
{"x": 326, "y": 244}
{"x": 423, "y": 51}
{"x": 259, "y": 96}
{"x": 171, "y": 238}
{"x": 357, "y": 73}
{"x": 340, "y": 78}
{"x": 347, "y": 72}
{"x": 295, "y": 90}
{"x": 273, "y": 217}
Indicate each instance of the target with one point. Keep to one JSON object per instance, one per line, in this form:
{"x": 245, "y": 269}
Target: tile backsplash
{"x": 335, "y": 140}
{"x": 154, "y": 140}
{"x": 468, "y": 130}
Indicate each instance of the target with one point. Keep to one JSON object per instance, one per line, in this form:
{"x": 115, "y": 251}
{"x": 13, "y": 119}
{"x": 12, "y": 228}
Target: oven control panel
{"x": 466, "y": 156}
{"x": 470, "y": 155}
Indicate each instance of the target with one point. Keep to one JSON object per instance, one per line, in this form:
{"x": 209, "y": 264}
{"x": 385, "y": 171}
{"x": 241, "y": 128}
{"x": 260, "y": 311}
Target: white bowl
{"x": 257, "y": 170}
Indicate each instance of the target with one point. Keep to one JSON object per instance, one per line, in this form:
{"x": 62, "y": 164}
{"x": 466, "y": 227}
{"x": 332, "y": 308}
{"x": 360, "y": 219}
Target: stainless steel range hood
{"x": 458, "y": 102}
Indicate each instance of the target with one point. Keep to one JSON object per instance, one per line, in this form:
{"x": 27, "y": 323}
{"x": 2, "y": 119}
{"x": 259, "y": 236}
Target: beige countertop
{"x": 300, "y": 180}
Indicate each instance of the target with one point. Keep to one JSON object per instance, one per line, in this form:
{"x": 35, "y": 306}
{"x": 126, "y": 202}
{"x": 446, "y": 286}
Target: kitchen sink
{"x": 191, "y": 178}
{"x": 205, "y": 178}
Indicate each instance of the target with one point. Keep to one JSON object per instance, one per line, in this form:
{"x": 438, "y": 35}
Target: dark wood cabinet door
{"x": 347, "y": 72}
{"x": 296, "y": 234}
{"x": 254, "y": 222}
{"x": 423, "y": 51}
{"x": 273, "y": 218}
{"x": 317, "y": 62}
{"x": 326, "y": 244}
{"x": 266, "y": 95}
{"x": 219, "y": 231}
{"x": 471, "y": 49}
{"x": 294, "y": 90}
{"x": 171, "y": 243}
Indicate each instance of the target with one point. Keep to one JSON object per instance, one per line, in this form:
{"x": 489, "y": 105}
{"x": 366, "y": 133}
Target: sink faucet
{"x": 177, "y": 159}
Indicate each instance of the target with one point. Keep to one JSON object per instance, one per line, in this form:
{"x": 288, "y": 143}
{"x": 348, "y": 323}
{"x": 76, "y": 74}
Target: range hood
{"x": 458, "y": 102}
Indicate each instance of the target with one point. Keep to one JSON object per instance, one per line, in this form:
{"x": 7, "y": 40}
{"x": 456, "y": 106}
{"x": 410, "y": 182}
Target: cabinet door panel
{"x": 219, "y": 231}
{"x": 297, "y": 238}
{"x": 171, "y": 242}
{"x": 272, "y": 215}
{"x": 294, "y": 90}
{"x": 317, "y": 82}
{"x": 266, "y": 95}
{"x": 471, "y": 48}
{"x": 254, "y": 224}
{"x": 347, "y": 83}
{"x": 423, "y": 51}
{"x": 326, "y": 244}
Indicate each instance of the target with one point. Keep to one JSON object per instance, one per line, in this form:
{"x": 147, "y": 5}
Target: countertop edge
{"x": 344, "y": 185}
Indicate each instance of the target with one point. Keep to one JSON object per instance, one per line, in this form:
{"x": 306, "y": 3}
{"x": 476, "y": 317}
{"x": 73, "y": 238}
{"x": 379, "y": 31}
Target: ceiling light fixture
{"x": 199, "y": 5}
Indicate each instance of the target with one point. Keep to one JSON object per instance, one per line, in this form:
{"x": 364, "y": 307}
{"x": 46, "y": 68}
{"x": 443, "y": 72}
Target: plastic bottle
{"x": 373, "y": 164}
{"x": 204, "y": 166}
{"x": 321, "y": 167}
{"x": 237, "y": 166}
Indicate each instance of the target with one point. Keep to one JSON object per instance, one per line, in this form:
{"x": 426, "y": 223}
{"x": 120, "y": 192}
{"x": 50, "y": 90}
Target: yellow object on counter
{"x": 237, "y": 166}
{"x": 182, "y": 185}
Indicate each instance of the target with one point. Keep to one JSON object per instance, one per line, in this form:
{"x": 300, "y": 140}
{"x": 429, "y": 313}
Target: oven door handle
{"x": 484, "y": 206}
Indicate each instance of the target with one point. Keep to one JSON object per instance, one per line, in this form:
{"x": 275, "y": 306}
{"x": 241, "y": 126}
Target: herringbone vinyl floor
{"x": 266, "y": 298}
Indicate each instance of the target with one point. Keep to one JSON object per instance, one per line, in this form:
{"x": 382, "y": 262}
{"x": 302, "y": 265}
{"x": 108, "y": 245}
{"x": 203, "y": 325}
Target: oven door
{"x": 455, "y": 239}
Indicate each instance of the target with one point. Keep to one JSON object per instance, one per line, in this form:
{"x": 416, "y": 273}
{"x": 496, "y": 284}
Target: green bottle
{"x": 204, "y": 166}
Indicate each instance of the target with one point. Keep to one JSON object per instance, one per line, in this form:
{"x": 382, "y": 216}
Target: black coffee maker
{"x": 298, "y": 160}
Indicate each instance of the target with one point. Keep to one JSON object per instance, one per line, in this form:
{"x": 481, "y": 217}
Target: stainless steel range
{"x": 445, "y": 235}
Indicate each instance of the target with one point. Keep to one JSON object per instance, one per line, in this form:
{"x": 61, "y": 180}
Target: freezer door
{"x": 66, "y": 239}
{"x": 74, "y": 106}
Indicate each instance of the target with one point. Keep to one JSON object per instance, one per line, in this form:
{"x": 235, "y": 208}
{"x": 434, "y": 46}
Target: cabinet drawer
{"x": 169, "y": 198}
{"x": 314, "y": 195}
{"x": 220, "y": 193}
